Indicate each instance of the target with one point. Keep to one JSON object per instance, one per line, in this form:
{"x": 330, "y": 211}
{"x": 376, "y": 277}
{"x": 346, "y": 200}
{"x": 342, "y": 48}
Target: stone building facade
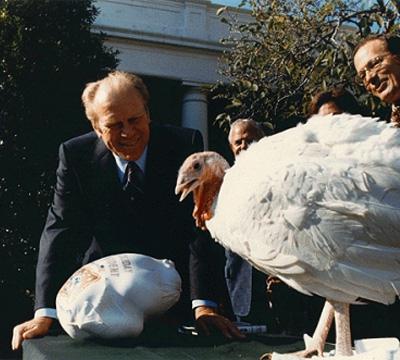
{"x": 175, "y": 45}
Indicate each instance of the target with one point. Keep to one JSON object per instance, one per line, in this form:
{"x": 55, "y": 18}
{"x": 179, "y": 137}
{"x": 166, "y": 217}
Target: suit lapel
{"x": 105, "y": 166}
{"x": 154, "y": 161}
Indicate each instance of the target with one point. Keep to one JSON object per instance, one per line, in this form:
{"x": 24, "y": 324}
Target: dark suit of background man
{"x": 93, "y": 216}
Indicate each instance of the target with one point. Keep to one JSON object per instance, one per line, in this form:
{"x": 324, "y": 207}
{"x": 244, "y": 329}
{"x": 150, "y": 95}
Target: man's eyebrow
{"x": 111, "y": 124}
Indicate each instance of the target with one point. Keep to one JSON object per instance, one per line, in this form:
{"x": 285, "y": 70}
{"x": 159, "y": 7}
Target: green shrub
{"x": 47, "y": 54}
{"x": 290, "y": 50}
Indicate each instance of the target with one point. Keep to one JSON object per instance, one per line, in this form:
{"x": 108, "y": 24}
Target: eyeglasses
{"x": 373, "y": 64}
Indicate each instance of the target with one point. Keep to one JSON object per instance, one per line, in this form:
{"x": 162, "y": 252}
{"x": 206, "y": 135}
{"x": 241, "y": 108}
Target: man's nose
{"x": 244, "y": 145}
{"x": 127, "y": 129}
{"x": 371, "y": 77}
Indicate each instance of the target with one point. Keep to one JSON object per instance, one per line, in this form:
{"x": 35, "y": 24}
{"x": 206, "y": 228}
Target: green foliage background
{"x": 47, "y": 55}
{"x": 290, "y": 50}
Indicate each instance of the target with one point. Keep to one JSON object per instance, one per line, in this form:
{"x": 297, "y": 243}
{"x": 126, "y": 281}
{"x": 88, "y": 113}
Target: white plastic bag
{"x": 112, "y": 297}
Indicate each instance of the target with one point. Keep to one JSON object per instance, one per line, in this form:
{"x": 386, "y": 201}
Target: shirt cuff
{"x": 46, "y": 312}
{"x": 209, "y": 303}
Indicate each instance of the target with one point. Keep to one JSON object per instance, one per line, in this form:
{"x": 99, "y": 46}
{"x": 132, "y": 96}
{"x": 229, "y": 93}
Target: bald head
{"x": 242, "y": 133}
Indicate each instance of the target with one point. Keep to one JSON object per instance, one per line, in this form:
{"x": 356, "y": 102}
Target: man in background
{"x": 238, "y": 272}
{"x": 257, "y": 298}
{"x": 334, "y": 101}
{"x": 377, "y": 62}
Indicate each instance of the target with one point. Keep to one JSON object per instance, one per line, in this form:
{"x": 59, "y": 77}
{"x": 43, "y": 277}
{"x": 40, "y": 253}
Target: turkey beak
{"x": 185, "y": 186}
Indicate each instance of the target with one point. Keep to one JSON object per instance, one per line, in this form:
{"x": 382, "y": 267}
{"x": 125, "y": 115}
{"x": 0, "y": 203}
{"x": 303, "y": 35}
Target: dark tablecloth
{"x": 158, "y": 346}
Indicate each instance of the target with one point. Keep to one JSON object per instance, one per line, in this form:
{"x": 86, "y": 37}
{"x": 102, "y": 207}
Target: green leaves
{"x": 293, "y": 48}
{"x": 48, "y": 54}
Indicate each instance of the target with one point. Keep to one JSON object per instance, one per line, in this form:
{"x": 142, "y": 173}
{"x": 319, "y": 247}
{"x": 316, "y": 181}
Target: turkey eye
{"x": 197, "y": 166}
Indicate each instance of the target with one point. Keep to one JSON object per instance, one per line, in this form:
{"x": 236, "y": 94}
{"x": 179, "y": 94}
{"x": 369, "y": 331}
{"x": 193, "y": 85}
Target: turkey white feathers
{"x": 317, "y": 205}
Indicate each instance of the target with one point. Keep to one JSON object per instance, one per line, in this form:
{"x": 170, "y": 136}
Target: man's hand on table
{"x": 207, "y": 319}
{"x": 36, "y": 327}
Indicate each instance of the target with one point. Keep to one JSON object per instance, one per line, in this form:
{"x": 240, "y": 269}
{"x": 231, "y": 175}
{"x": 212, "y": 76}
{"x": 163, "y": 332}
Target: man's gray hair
{"x": 112, "y": 83}
{"x": 249, "y": 123}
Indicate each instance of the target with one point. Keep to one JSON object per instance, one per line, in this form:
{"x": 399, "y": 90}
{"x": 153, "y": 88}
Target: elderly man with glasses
{"x": 377, "y": 62}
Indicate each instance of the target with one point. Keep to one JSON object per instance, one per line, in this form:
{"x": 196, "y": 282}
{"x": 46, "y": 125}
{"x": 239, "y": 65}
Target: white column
{"x": 194, "y": 111}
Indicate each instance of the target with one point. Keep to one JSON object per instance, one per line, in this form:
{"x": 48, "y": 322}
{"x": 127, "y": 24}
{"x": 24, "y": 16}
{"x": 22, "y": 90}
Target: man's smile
{"x": 381, "y": 86}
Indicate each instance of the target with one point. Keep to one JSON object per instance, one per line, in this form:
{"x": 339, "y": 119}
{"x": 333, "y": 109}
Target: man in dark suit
{"x": 114, "y": 194}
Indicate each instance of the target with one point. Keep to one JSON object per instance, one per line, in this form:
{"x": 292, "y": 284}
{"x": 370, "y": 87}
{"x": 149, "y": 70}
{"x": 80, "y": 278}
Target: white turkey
{"x": 318, "y": 206}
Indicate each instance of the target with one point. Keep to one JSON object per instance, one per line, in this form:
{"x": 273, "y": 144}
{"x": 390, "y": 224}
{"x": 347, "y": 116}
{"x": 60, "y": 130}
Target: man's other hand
{"x": 208, "y": 319}
{"x": 30, "y": 329}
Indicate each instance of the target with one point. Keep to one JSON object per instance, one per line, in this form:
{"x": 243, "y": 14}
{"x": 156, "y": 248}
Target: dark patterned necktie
{"x": 395, "y": 117}
{"x": 134, "y": 181}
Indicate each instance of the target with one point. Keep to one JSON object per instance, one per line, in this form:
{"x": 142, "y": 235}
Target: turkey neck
{"x": 205, "y": 195}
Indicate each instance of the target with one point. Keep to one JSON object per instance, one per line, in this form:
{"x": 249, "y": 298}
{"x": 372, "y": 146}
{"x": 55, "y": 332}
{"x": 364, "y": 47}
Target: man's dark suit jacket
{"x": 91, "y": 216}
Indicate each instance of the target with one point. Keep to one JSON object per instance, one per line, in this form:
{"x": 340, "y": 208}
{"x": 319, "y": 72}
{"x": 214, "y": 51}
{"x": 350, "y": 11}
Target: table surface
{"x": 158, "y": 346}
